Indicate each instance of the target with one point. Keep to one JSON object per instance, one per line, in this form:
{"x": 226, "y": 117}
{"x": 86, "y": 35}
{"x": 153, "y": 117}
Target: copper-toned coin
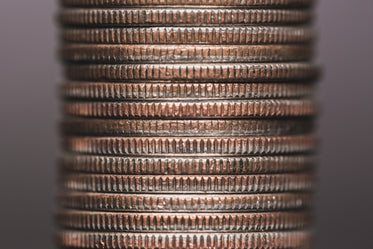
{"x": 263, "y": 240}
{"x": 262, "y": 145}
{"x": 234, "y": 184}
{"x": 190, "y": 91}
{"x": 193, "y": 109}
{"x": 191, "y": 35}
{"x": 181, "y": 16}
{"x": 156, "y": 128}
{"x": 183, "y": 53}
{"x": 190, "y": 203}
{"x": 215, "y": 72}
{"x": 186, "y": 165}
{"x": 183, "y": 222}
{"x": 187, "y": 124}
{"x": 198, "y": 3}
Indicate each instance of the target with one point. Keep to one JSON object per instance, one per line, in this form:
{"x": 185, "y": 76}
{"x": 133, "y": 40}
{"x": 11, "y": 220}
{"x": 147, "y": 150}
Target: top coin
{"x": 199, "y": 3}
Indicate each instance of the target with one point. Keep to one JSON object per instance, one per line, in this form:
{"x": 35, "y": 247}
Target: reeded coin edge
{"x": 185, "y": 35}
{"x": 185, "y": 203}
{"x": 191, "y": 145}
{"x": 130, "y": 127}
{"x": 186, "y": 165}
{"x": 186, "y": 91}
{"x": 181, "y": 16}
{"x": 193, "y": 109}
{"x": 183, "y": 53}
{"x": 251, "y": 72}
{"x": 263, "y": 240}
{"x": 187, "y": 184}
{"x": 200, "y": 3}
{"x": 239, "y": 222}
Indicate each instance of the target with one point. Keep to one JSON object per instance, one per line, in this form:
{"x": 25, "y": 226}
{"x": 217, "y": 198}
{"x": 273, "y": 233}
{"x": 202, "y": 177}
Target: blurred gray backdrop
{"x": 29, "y": 75}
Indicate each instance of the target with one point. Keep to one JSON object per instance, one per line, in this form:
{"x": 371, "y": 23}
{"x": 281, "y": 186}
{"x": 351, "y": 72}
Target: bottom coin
{"x": 262, "y": 240}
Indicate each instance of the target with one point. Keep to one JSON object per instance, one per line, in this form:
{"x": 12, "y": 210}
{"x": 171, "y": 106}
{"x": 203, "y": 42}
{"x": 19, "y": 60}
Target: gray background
{"x": 29, "y": 106}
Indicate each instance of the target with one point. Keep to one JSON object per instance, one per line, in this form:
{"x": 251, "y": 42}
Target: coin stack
{"x": 187, "y": 124}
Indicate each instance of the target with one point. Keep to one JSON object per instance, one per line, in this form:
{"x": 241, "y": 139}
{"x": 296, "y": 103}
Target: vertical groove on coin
{"x": 187, "y": 203}
{"x": 237, "y": 184}
{"x": 191, "y": 35}
{"x": 186, "y": 165}
{"x": 259, "y": 240}
{"x": 181, "y": 16}
{"x": 189, "y": 91}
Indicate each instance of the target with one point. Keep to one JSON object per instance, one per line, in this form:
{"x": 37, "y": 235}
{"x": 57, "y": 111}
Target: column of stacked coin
{"x": 188, "y": 124}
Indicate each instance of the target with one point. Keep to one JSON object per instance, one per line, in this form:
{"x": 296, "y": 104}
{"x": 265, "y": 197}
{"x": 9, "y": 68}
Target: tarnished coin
{"x": 186, "y": 165}
{"x": 157, "y": 128}
{"x": 191, "y": 35}
{"x": 183, "y": 53}
{"x": 233, "y": 184}
{"x": 193, "y": 109}
{"x": 181, "y": 17}
{"x": 262, "y": 145}
{"x": 183, "y": 222}
{"x": 151, "y": 240}
{"x": 213, "y": 72}
{"x": 197, "y": 3}
{"x": 190, "y": 91}
{"x": 188, "y": 203}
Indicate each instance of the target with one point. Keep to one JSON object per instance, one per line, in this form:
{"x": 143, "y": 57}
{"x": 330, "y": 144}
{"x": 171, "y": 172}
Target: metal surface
{"x": 187, "y": 124}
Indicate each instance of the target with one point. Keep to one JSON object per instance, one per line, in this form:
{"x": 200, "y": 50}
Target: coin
{"x": 190, "y": 91}
{"x": 191, "y": 35}
{"x": 179, "y": 203}
{"x": 261, "y": 145}
{"x": 198, "y": 3}
{"x": 233, "y": 184}
{"x": 151, "y": 240}
{"x": 186, "y": 165}
{"x": 207, "y": 222}
{"x": 215, "y": 72}
{"x": 134, "y": 127}
{"x": 193, "y": 109}
{"x": 181, "y": 16}
{"x": 183, "y": 53}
